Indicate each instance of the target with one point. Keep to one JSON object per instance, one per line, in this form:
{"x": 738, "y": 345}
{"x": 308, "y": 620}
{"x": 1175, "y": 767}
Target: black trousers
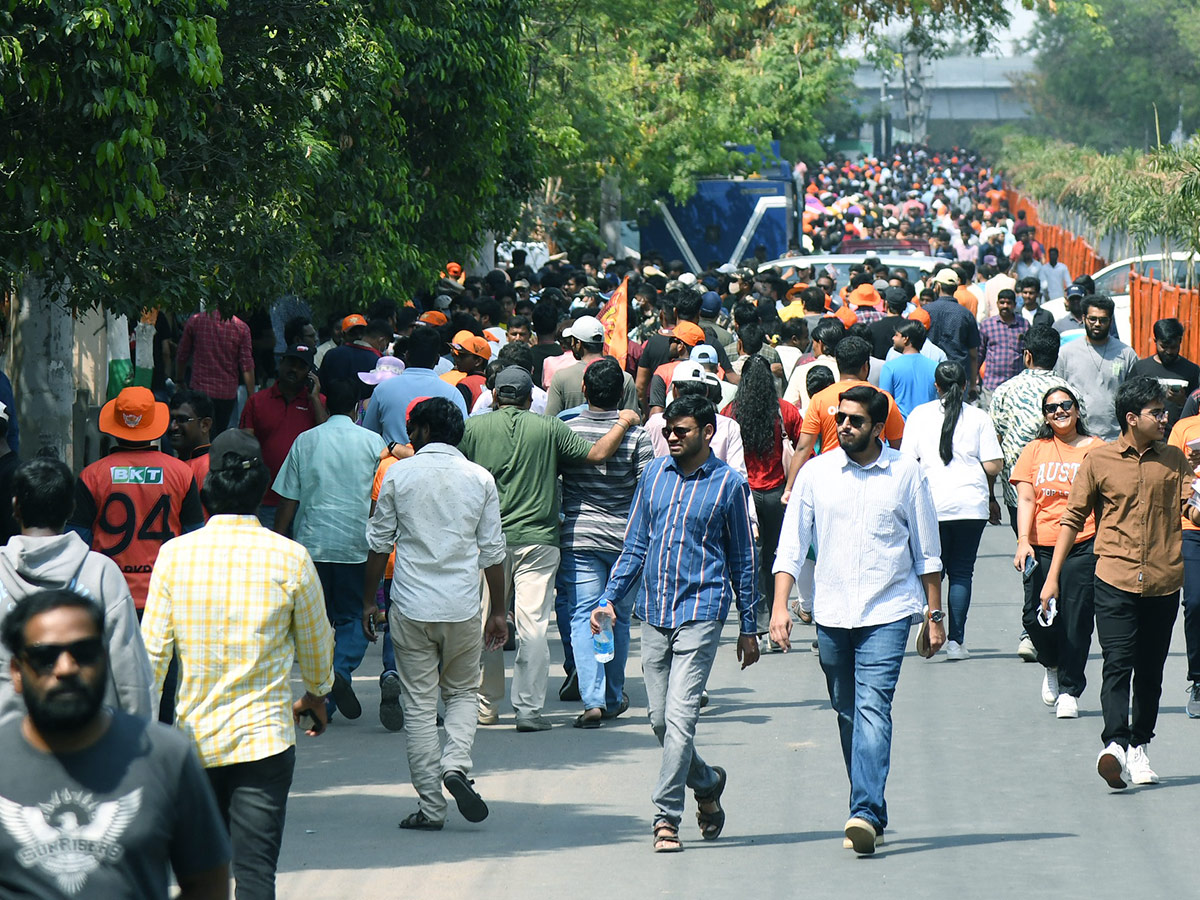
{"x": 768, "y": 505}
{"x": 252, "y": 798}
{"x": 222, "y": 413}
{"x": 1135, "y": 635}
{"x": 1066, "y": 643}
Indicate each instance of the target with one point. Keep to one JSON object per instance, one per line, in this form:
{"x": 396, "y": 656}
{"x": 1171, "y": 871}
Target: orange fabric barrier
{"x": 1151, "y": 300}
{"x": 1077, "y": 254}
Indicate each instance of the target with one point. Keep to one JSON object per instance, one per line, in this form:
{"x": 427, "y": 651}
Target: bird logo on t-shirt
{"x": 71, "y": 835}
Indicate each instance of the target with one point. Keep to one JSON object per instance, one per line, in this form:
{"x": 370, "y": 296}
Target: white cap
{"x": 588, "y": 329}
{"x": 688, "y": 371}
{"x": 704, "y": 353}
{"x": 687, "y": 278}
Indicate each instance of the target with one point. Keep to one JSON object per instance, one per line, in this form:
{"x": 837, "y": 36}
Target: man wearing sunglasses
{"x": 689, "y": 587}
{"x": 862, "y": 501}
{"x": 93, "y": 802}
{"x": 1138, "y": 487}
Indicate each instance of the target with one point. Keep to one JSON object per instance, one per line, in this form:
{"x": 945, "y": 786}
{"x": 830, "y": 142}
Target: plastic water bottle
{"x": 602, "y": 643}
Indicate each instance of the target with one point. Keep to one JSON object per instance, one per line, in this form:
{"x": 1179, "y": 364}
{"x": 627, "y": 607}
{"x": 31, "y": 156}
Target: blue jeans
{"x": 389, "y": 651}
{"x": 343, "y": 584}
{"x": 584, "y": 575}
{"x": 960, "y": 546}
{"x": 675, "y": 666}
{"x": 861, "y": 667}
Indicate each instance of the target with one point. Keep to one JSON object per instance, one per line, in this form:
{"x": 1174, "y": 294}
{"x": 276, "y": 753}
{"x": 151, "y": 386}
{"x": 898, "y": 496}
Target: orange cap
{"x": 135, "y": 415}
{"x": 454, "y": 270}
{"x": 689, "y": 332}
{"x": 473, "y": 344}
{"x": 433, "y": 317}
{"x": 354, "y": 321}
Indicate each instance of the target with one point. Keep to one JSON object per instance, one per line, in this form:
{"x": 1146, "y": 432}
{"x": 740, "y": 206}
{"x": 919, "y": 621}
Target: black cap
{"x": 514, "y": 383}
{"x": 302, "y": 352}
{"x": 234, "y": 449}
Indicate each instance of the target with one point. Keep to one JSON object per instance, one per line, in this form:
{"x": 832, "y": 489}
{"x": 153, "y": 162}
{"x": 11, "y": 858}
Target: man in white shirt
{"x": 444, "y": 511}
{"x": 1054, "y": 276}
{"x": 868, "y": 513}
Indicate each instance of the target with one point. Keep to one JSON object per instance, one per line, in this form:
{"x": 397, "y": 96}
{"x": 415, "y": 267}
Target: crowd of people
{"x": 480, "y": 468}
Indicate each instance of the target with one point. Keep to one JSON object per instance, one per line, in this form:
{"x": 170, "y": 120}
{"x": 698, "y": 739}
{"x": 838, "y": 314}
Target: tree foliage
{"x": 342, "y": 150}
{"x": 1115, "y": 73}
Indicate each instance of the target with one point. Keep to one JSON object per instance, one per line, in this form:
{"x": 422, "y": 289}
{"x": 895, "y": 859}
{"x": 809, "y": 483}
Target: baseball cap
{"x": 688, "y": 371}
{"x": 433, "y": 317}
{"x": 302, "y": 352}
{"x": 514, "y": 383}
{"x": 471, "y": 343}
{"x": 880, "y": 285}
{"x": 387, "y": 367}
{"x": 688, "y": 332}
{"x": 454, "y": 270}
{"x": 234, "y": 449}
{"x": 704, "y": 354}
{"x": 135, "y": 415}
{"x": 687, "y": 278}
{"x": 895, "y": 295}
{"x": 1076, "y": 290}
{"x": 588, "y": 329}
{"x": 946, "y": 276}
{"x": 710, "y": 304}
{"x": 353, "y": 321}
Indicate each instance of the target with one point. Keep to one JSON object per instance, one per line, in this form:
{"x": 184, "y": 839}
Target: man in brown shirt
{"x": 1137, "y": 486}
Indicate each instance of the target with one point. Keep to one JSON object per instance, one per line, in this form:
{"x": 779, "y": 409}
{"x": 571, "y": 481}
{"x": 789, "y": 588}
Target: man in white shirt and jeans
{"x": 445, "y": 512}
{"x": 868, "y": 512}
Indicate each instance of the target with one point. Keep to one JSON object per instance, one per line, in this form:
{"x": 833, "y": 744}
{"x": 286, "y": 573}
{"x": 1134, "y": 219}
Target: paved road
{"x": 990, "y": 795}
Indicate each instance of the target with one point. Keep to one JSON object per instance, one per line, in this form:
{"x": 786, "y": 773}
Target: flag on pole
{"x": 615, "y": 316}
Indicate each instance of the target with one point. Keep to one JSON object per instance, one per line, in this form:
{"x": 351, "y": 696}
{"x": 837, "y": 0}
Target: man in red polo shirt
{"x": 279, "y": 414}
{"x": 135, "y": 499}
{"x": 190, "y": 431}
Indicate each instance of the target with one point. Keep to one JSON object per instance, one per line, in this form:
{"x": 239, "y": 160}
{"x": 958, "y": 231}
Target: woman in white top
{"x": 957, "y": 447}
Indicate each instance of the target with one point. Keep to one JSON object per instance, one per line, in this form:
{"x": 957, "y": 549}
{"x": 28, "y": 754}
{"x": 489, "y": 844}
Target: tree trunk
{"x": 43, "y": 373}
{"x": 610, "y": 215}
{"x": 484, "y": 257}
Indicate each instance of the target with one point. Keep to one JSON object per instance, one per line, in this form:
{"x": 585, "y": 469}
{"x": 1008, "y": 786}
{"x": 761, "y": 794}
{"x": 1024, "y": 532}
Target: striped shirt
{"x": 238, "y": 604}
{"x": 690, "y": 537}
{"x": 875, "y": 532}
{"x": 1016, "y": 412}
{"x": 596, "y": 498}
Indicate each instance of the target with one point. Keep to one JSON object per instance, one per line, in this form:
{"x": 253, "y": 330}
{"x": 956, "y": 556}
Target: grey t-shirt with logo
{"x": 106, "y": 822}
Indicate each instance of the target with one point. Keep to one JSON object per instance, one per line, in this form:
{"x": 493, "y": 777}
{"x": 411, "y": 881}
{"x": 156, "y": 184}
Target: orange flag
{"x": 615, "y": 317}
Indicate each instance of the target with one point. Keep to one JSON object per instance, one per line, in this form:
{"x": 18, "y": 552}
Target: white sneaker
{"x": 1050, "y": 691}
{"x": 1026, "y": 650}
{"x": 1066, "y": 707}
{"x": 956, "y": 651}
{"x": 1138, "y": 765}
{"x": 1111, "y": 766}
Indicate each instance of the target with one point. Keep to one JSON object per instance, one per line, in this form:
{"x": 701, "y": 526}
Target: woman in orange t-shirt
{"x": 1043, "y": 476}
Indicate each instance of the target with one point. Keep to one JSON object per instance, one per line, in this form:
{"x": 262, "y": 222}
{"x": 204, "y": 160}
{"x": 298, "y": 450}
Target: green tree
{"x": 1116, "y": 73}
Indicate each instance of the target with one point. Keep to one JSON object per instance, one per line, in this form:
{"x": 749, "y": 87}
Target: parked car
{"x": 917, "y": 264}
{"x": 1113, "y": 280}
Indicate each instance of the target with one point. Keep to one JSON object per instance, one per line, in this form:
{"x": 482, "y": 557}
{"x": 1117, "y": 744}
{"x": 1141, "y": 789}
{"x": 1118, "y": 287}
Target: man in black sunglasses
{"x": 94, "y": 802}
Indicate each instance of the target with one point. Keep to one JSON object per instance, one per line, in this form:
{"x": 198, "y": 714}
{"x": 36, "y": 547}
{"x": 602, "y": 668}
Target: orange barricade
{"x": 1151, "y": 300}
{"x": 1077, "y": 254}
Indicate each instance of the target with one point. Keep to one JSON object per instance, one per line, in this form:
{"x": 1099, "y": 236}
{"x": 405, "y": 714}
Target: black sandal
{"x": 666, "y": 837}
{"x": 583, "y": 720}
{"x": 418, "y": 821}
{"x": 711, "y": 823}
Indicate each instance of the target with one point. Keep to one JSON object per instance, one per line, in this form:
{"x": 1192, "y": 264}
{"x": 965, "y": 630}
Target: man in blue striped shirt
{"x": 867, "y": 511}
{"x": 689, "y": 535}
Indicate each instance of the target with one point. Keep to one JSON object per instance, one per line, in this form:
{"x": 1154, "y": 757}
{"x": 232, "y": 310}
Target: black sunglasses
{"x": 1065, "y": 406}
{"x": 679, "y": 431}
{"x": 42, "y": 658}
{"x": 855, "y": 421}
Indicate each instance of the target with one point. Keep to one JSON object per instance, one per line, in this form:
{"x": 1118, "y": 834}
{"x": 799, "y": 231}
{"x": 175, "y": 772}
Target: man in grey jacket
{"x": 41, "y": 557}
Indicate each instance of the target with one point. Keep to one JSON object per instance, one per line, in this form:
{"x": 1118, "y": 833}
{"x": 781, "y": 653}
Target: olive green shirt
{"x": 523, "y": 450}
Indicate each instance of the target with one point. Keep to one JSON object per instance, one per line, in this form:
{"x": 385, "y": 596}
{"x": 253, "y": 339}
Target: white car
{"x": 916, "y": 264}
{"x": 1113, "y": 281}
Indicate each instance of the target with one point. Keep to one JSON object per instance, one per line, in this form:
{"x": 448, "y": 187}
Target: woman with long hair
{"x": 957, "y": 447}
{"x": 764, "y": 420}
{"x": 1043, "y": 476}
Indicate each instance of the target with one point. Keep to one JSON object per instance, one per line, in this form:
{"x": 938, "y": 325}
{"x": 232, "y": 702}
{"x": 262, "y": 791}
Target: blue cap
{"x": 710, "y": 304}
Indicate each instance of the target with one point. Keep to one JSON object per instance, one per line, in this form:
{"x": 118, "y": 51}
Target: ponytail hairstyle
{"x": 951, "y": 380}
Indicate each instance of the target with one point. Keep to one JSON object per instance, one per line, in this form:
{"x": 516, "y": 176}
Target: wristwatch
{"x": 937, "y": 615}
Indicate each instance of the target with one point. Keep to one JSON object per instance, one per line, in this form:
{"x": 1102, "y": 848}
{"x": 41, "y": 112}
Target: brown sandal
{"x": 666, "y": 838}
